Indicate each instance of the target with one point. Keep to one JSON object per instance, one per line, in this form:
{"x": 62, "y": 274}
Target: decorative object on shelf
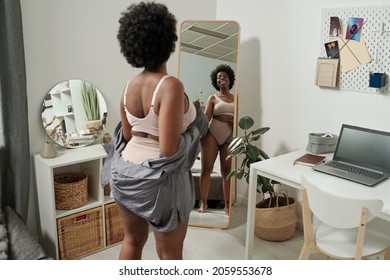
{"x": 272, "y": 228}
{"x": 48, "y": 150}
{"x": 107, "y": 189}
{"x": 71, "y": 190}
{"x": 107, "y": 138}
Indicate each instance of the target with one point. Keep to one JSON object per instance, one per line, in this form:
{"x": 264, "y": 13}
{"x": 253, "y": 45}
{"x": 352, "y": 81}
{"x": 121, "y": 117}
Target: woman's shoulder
{"x": 171, "y": 79}
{"x": 171, "y": 89}
{"x": 212, "y": 97}
{"x": 172, "y": 83}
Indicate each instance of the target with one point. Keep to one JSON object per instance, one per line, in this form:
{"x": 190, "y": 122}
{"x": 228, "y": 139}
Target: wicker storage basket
{"x": 114, "y": 225}
{"x": 70, "y": 190}
{"x": 276, "y": 223}
{"x": 80, "y": 234}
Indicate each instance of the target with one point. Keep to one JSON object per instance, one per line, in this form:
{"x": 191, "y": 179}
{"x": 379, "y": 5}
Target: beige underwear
{"x": 221, "y": 131}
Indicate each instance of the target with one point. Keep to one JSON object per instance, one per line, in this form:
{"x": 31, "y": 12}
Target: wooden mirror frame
{"x": 215, "y": 33}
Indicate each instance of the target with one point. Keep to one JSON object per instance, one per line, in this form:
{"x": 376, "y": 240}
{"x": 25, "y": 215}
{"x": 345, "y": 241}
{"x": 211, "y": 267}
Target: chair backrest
{"x": 338, "y": 211}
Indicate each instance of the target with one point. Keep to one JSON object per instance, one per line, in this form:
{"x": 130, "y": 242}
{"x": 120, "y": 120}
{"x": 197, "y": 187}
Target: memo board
{"x": 376, "y": 34}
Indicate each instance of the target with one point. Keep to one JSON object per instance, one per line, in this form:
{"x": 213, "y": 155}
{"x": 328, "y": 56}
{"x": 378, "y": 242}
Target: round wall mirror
{"x": 74, "y": 113}
{"x": 203, "y": 46}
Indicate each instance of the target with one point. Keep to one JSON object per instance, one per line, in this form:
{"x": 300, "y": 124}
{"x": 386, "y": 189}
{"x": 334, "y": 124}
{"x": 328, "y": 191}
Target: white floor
{"x": 220, "y": 244}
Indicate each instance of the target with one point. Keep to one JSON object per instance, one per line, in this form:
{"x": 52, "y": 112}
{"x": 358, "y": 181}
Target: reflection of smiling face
{"x": 222, "y": 79}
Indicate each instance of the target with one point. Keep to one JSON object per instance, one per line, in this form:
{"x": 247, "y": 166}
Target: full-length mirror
{"x": 205, "y": 45}
{"x": 74, "y": 113}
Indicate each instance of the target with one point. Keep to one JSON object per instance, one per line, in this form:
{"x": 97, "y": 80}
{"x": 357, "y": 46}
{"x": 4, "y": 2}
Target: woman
{"x": 149, "y": 178}
{"x": 220, "y": 112}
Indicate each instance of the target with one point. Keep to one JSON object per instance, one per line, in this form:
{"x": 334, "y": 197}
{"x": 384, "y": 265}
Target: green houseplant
{"x": 275, "y": 215}
{"x": 91, "y": 105}
{"x": 243, "y": 145}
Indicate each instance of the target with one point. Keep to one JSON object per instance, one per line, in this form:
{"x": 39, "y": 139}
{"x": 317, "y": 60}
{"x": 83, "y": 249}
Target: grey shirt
{"x": 158, "y": 190}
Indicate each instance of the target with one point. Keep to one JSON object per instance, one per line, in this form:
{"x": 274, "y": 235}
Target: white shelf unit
{"x": 88, "y": 158}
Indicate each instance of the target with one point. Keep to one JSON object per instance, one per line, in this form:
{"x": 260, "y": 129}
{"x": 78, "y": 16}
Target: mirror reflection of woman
{"x": 220, "y": 112}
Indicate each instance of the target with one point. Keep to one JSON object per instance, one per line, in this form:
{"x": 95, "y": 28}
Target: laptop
{"x": 362, "y": 155}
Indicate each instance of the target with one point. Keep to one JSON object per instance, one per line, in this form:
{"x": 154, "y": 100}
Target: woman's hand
{"x": 196, "y": 104}
{"x": 231, "y": 122}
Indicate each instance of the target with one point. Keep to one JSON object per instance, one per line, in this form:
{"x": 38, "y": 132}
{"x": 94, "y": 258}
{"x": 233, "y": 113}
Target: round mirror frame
{"x": 74, "y": 113}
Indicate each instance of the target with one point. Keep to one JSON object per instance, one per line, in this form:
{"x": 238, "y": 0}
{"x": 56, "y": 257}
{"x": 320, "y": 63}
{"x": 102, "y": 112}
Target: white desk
{"x": 281, "y": 169}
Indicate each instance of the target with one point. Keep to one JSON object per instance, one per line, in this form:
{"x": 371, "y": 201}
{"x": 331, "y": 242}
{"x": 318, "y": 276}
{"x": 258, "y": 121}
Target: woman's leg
{"x": 169, "y": 245}
{"x": 226, "y": 166}
{"x": 136, "y": 231}
{"x": 209, "y": 151}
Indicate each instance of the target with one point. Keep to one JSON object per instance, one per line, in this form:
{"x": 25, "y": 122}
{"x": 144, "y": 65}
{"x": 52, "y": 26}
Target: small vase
{"x": 48, "y": 150}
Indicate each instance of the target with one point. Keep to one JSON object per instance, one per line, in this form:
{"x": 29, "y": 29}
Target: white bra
{"x": 149, "y": 123}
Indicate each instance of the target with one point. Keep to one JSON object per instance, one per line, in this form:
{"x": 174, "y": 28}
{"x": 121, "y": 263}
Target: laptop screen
{"x": 364, "y": 147}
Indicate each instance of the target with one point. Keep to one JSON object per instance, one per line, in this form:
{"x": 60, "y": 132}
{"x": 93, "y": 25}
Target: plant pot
{"x": 93, "y": 126}
{"x": 276, "y": 223}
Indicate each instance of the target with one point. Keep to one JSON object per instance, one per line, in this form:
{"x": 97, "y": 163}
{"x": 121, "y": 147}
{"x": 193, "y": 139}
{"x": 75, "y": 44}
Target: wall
{"x": 280, "y": 42}
{"x": 77, "y": 40}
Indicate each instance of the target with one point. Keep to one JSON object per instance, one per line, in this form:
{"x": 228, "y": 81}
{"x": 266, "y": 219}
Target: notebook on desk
{"x": 362, "y": 155}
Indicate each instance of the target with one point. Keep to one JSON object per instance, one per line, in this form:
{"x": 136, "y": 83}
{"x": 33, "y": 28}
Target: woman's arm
{"x": 126, "y": 127}
{"x": 171, "y": 111}
{"x": 209, "y": 107}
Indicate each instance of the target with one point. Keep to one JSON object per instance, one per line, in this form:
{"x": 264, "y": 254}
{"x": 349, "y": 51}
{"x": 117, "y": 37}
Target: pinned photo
{"x": 354, "y": 29}
{"x": 334, "y": 27}
{"x": 332, "y": 49}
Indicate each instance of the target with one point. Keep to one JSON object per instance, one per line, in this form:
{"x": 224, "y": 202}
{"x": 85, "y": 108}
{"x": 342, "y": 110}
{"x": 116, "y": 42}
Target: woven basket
{"x": 114, "y": 225}
{"x": 70, "y": 190}
{"x": 276, "y": 223}
{"x": 80, "y": 234}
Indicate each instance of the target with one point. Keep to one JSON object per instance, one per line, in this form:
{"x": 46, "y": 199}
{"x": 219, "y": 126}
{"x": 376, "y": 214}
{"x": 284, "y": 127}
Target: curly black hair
{"x": 222, "y": 68}
{"x": 147, "y": 34}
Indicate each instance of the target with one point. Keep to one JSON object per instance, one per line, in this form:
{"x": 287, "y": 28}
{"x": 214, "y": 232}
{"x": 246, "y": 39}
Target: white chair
{"x": 344, "y": 228}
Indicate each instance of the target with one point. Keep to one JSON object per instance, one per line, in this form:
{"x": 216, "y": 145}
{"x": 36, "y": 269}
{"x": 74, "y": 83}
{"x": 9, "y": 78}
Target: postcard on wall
{"x": 332, "y": 49}
{"x": 334, "y": 27}
{"x": 352, "y": 53}
{"x": 354, "y": 29}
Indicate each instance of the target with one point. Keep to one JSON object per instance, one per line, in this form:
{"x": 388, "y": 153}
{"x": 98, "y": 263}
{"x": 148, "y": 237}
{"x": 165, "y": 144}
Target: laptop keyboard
{"x": 354, "y": 170}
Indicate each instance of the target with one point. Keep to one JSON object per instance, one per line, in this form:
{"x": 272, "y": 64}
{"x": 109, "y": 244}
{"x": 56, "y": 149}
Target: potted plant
{"x": 275, "y": 218}
{"x": 91, "y": 106}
